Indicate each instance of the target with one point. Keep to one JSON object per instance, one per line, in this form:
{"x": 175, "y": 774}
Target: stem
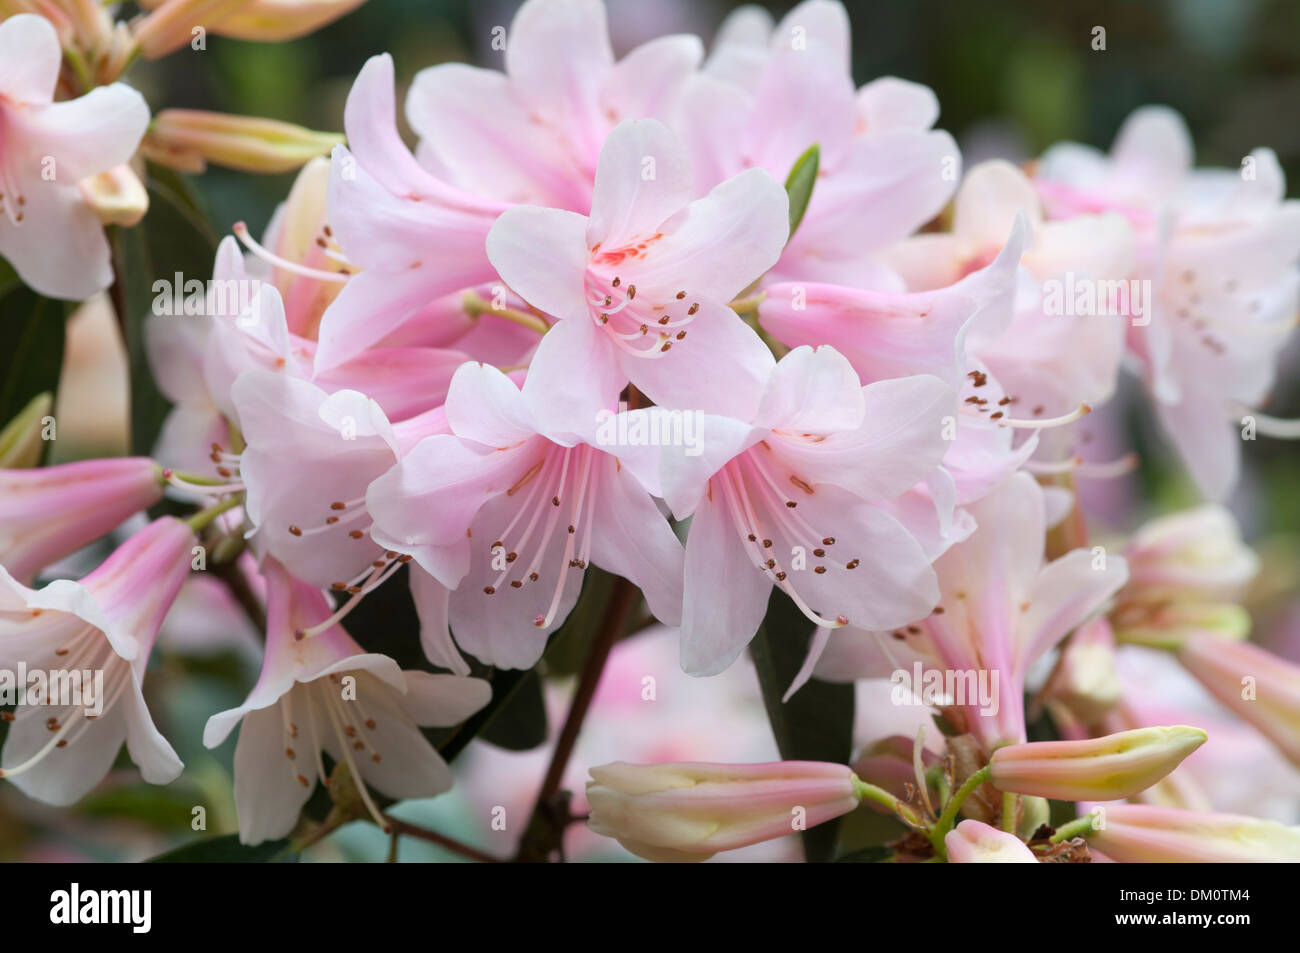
{"x": 234, "y": 579}
{"x": 475, "y": 306}
{"x": 202, "y": 518}
{"x": 1009, "y": 812}
{"x": 741, "y": 305}
{"x": 621, "y": 602}
{"x": 944, "y": 824}
{"x": 433, "y": 837}
{"x": 869, "y": 792}
{"x": 1080, "y": 826}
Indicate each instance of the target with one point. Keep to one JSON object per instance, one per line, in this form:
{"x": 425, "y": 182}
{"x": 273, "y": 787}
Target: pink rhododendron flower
{"x": 1000, "y": 609}
{"x": 48, "y": 232}
{"x": 532, "y": 134}
{"x": 508, "y": 509}
{"x": 328, "y": 694}
{"x": 1220, "y": 248}
{"x": 641, "y": 287}
{"x": 882, "y": 171}
{"x": 798, "y": 497}
{"x": 59, "y": 748}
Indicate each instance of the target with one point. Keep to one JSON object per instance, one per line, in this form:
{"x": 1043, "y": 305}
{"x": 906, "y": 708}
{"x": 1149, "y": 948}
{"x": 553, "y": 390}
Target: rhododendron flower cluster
{"x": 714, "y": 340}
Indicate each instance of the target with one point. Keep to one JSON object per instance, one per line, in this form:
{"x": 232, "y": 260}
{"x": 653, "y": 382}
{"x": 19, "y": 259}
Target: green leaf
{"x": 520, "y": 723}
{"x": 816, "y": 724}
{"x": 799, "y": 184}
{"x": 32, "y": 358}
{"x": 228, "y": 850}
{"x": 174, "y": 239}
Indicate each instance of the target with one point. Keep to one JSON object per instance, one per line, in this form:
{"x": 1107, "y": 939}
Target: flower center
{"x": 634, "y": 320}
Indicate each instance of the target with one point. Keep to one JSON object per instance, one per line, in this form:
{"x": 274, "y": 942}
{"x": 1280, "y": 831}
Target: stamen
{"x": 241, "y": 232}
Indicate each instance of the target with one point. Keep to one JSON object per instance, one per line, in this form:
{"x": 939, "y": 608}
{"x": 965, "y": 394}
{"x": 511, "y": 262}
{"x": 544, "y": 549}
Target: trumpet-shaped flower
{"x": 802, "y": 496}
{"x": 327, "y": 694}
{"x": 509, "y": 508}
{"x": 101, "y": 629}
{"x": 48, "y": 232}
{"x": 1000, "y": 609}
{"x": 532, "y": 134}
{"x": 641, "y": 287}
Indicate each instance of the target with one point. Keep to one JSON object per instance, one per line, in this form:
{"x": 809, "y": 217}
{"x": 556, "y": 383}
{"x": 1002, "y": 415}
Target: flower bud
{"x": 1094, "y": 769}
{"x": 973, "y": 842}
{"x": 173, "y": 23}
{"x": 1260, "y": 687}
{"x": 51, "y": 512}
{"x": 276, "y": 20}
{"x": 689, "y": 811}
{"x": 116, "y": 195}
{"x": 1142, "y": 833}
{"x": 1186, "y": 572}
{"x": 188, "y": 139}
{"x": 20, "y": 441}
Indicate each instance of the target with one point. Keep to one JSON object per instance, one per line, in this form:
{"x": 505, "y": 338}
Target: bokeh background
{"x": 1012, "y": 78}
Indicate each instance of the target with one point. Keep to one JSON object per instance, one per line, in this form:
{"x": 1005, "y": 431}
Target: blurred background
{"x": 1012, "y": 78}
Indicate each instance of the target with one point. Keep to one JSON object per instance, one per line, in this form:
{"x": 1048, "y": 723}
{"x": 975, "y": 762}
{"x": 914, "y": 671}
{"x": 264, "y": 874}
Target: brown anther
{"x": 338, "y": 586}
{"x": 354, "y": 590}
{"x": 289, "y": 753}
{"x": 331, "y": 520}
{"x": 819, "y": 570}
{"x": 616, "y": 282}
{"x": 516, "y": 584}
{"x": 555, "y": 501}
{"x": 338, "y": 506}
{"x": 770, "y": 564}
{"x": 631, "y": 292}
{"x": 791, "y": 504}
{"x": 667, "y": 346}
{"x": 851, "y": 564}
{"x": 295, "y": 530}
{"x": 828, "y": 541}
{"x": 302, "y": 781}
{"x": 681, "y": 295}
{"x": 819, "y": 552}
{"x": 781, "y": 575}
{"x": 571, "y": 528}
{"x": 693, "y": 308}
{"x": 356, "y": 534}
{"x": 489, "y": 589}
{"x": 681, "y": 335}
{"x": 532, "y": 577}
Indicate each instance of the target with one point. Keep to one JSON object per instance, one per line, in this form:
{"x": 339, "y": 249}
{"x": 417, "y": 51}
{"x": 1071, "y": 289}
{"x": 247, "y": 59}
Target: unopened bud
{"x": 1094, "y": 769}
{"x": 188, "y": 139}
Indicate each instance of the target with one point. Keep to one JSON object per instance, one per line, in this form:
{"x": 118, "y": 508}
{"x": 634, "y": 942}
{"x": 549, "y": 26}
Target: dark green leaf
{"x": 520, "y": 723}
{"x": 227, "y": 850}
{"x": 816, "y": 724}
{"x": 32, "y": 359}
{"x": 799, "y": 184}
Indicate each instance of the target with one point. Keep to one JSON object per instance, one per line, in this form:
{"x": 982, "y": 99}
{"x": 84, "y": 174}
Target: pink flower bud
{"x": 689, "y": 812}
{"x": 974, "y": 842}
{"x": 48, "y": 513}
{"x": 1143, "y": 833}
{"x": 1198, "y": 552}
{"x": 1260, "y": 687}
{"x": 1094, "y": 769}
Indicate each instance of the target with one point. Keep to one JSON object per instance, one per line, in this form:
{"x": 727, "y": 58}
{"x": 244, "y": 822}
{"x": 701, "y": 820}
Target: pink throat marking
{"x": 634, "y": 320}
